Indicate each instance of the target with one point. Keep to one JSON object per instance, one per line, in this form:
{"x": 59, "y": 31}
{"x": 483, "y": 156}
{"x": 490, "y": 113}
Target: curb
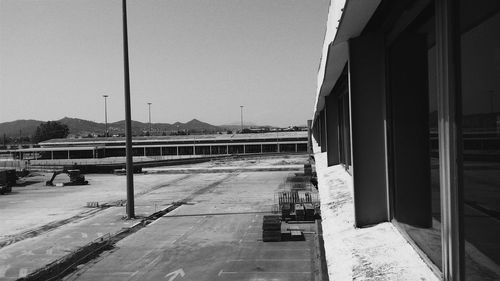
{"x": 320, "y": 267}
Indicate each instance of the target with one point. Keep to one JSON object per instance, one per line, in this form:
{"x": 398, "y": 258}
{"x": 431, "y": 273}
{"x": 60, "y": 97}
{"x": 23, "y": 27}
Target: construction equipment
{"x": 75, "y": 177}
{"x": 8, "y": 178}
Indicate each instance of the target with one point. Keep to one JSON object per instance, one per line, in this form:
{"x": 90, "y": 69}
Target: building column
{"x": 367, "y": 100}
{"x": 309, "y": 137}
{"x": 177, "y": 148}
{"x": 161, "y": 150}
{"x": 322, "y": 130}
{"x": 332, "y": 129}
{"x": 68, "y": 154}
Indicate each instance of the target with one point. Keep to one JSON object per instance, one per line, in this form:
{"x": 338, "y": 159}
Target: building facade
{"x": 409, "y": 102}
{"x": 277, "y": 142}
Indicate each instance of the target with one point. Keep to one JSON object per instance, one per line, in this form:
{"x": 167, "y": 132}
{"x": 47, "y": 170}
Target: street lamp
{"x": 241, "y": 113}
{"x": 105, "y": 115}
{"x": 149, "y": 105}
{"x": 128, "y": 118}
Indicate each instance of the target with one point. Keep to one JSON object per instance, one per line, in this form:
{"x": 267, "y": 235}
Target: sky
{"x": 190, "y": 58}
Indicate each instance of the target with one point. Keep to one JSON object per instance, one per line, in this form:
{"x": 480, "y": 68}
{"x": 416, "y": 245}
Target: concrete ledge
{"x": 372, "y": 253}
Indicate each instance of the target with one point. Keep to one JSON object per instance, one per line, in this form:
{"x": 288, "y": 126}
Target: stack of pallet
{"x": 309, "y": 212}
{"x": 285, "y": 211}
{"x": 296, "y": 234}
{"x": 300, "y": 213}
{"x": 271, "y": 229}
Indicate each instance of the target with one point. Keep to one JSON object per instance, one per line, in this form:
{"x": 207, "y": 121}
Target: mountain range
{"x": 80, "y": 127}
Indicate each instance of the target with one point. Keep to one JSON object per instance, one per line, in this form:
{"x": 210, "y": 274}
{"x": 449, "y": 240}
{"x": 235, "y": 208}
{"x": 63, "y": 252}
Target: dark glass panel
{"x": 480, "y": 89}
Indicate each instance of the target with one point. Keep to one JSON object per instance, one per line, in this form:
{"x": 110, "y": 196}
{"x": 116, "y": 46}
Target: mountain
{"x": 23, "y": 127}
{"x": 80, "y": 127}
{"x": 197, "y": 125}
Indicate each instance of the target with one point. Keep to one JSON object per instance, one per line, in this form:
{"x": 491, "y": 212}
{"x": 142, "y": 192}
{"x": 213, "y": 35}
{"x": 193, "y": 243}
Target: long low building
{"x": 275, "y": 142}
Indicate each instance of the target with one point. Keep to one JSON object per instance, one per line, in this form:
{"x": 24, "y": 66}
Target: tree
{"x": 51, "y": 130}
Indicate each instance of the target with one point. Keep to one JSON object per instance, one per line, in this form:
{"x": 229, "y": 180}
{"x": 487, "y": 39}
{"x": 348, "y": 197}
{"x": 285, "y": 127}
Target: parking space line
{"x": 264, "y": 272}
{"x": 240, "y": 260}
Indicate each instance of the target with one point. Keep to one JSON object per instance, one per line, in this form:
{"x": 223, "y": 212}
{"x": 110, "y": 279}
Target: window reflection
{"x": 480, "y": 86}
{"x": 414, "y": 135}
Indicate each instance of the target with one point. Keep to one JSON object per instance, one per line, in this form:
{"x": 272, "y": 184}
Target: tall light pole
{"x": 149, "y": 105}
{"x": 105, "y": 115}
{"x": 128, "y": 118}
{"x": 241, "y": 117}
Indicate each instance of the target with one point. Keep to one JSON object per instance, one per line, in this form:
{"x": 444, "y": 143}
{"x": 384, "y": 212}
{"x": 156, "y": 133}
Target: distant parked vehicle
{"x": 8, "y": 178}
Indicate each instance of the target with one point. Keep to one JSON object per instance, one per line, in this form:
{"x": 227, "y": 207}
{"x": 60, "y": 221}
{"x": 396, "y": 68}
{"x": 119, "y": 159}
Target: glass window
{"x": 413, "y": 135}
{"x": 480, "y": 89}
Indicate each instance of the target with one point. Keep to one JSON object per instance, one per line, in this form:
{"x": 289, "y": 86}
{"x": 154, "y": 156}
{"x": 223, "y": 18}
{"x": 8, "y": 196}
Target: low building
{"x": 278, "y": 142}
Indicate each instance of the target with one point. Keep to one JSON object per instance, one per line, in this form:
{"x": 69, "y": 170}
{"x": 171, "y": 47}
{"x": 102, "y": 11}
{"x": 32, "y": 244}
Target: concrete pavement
{"x": 217, "y": 238}
{"x": 24, "y": 257}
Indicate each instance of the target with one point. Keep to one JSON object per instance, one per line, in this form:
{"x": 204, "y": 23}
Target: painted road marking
{"x": 175, "y": 273}
{"x": 96, "y": 223}
{"x": 23, "y": 272}
{"x": 3, "y": 270}
{"x": 27, "y": 253}
{"x": 84, "y": 235}
{"x": 270, "y": 260}
{"x": 67, "y": 236}
{"x": 264, "y": 272}
{"x": 49, "y": 251}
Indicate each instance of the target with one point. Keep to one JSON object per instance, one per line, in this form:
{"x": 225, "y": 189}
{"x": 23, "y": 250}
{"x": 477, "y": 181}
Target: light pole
{"x": 149, "y": 105}
{"x": 241, "y": 117}
{"x": 105, "y": 115}
{"x": 128, "y": 118}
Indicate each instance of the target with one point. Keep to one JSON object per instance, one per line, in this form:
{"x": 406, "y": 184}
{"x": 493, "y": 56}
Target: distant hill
{"x": 23, "y": 127}
{"x": 81, "y": 127}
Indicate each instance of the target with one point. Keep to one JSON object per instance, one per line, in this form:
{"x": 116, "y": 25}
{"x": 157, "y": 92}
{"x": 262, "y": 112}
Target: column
{"x": 332, "y": 128}
{"x": 309, "y": 136}
{"x": 322, "y": 130}
{"x": 367, "y": 99}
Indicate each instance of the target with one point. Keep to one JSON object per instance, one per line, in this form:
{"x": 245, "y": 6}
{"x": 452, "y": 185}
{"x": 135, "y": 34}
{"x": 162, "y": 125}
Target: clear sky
{"x": 190, "y": 58}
